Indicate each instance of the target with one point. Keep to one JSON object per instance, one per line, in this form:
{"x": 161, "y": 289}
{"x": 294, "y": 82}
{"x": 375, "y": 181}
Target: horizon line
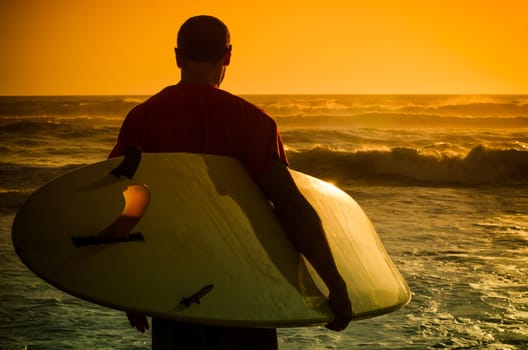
{"x": 288, "y": 94}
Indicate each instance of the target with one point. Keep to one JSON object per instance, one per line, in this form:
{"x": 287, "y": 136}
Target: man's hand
{"x": 342, "y": 309}
{"x": 138, "y": 321}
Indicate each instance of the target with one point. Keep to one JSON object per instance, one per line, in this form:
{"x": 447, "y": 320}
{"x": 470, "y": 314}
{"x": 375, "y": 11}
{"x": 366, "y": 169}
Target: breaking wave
{"x": 406, "y": 166}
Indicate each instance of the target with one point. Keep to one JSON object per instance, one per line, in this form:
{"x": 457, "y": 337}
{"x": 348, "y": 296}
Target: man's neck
{"x": 202, "y": 73}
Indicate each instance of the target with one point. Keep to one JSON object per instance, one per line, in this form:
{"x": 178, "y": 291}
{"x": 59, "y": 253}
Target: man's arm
{"x": 304, "y": 229}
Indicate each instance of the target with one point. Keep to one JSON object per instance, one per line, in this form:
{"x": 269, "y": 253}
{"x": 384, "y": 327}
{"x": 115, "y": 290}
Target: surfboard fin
{"x": 195, "y": 298}
{"x": 129, "y": 164}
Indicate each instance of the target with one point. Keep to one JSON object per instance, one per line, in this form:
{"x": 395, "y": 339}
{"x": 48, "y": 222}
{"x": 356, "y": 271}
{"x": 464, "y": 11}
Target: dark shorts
{"x": 175, "y": 335}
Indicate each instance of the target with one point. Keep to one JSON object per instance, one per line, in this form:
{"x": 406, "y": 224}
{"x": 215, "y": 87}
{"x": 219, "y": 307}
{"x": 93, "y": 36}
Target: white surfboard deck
{"x": 209, "y": 232}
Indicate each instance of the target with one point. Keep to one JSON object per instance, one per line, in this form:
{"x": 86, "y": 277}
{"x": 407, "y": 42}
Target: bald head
{"x": 203, "y": 39}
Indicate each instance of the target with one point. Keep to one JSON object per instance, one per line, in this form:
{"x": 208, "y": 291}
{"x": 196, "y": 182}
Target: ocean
{"x": 444, "y": 179}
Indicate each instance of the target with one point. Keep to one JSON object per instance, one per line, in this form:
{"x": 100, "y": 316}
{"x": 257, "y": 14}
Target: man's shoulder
{"x": 173, "y": 96}
{"x": 236, "y": 99}
{"x": 243, "y": 105}
{"x": 190, "y": 91}
{"x": 251, "y": 108}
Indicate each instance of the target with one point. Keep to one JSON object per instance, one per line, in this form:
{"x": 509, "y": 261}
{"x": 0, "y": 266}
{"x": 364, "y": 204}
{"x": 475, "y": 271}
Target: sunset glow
{"x": 283, "y": 47}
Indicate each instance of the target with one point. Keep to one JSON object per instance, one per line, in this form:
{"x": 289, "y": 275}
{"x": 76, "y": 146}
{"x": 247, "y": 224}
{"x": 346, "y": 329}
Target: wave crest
{"x": 407, "y": 166}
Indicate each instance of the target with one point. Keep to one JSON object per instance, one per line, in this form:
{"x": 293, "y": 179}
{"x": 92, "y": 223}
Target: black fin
{"x": 129, "y": 164}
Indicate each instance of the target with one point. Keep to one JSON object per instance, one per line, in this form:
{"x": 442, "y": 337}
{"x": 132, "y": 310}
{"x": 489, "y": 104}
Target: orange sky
{"x": 279, "y": 46}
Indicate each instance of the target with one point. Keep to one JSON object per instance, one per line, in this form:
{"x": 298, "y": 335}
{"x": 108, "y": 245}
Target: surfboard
{"x": 202, "y": 244}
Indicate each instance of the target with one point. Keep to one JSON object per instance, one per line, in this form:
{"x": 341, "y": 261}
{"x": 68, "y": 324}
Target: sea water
{"x": 443, "y": 178}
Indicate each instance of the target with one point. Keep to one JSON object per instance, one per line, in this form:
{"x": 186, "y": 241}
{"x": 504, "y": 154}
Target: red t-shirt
{"x": 199, "y": 118}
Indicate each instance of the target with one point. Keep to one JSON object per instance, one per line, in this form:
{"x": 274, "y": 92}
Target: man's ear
{"x": 227, "y": 56}
{"x": 179, "y": 61}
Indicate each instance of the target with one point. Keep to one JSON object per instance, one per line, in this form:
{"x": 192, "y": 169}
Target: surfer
{"x": 196, "y": 116}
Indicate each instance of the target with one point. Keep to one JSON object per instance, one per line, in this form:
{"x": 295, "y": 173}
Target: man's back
{"x": 200, "y": 118}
